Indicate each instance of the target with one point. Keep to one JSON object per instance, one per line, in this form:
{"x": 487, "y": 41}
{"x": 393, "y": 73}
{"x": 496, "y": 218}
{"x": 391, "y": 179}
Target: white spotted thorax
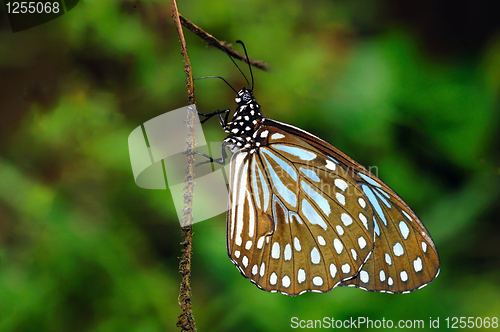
{"x": 303, "y": 216}
{"x": 245, "y": 123}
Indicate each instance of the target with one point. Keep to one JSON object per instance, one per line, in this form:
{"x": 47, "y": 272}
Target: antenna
{"x": 248, "y": 61}
{"x": 230, "y": 57}
{"x": 199, "y": 78}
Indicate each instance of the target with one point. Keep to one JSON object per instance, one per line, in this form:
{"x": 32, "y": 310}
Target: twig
{"x": 229, "y": 47}
{"x": 186, "y": 319}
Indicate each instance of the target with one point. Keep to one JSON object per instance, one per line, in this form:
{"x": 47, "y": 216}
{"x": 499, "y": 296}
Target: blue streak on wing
{"x": 383, "y": 193}
{"x": 298, "y": 152}
{"x": 297, "y": 217}
{"x": 382, "y": 198}
{"x": 265, "y": 188}
{"x": 312, "y": 215}
{"x": 335, "y": 160}
{"x": 256, "y": 190}
{"x": 377, "y": 230}
{"x": 369, "y": 180}
{"x": 374, "y": 202}
{"x": 320, "y": 200}
{"x": 310, "y": 174}
{"x": 282, "y": 163}
{"x": 284, "y": 192}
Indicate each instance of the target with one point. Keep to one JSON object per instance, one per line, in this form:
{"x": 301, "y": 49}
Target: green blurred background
{"x": 410, "y": 87}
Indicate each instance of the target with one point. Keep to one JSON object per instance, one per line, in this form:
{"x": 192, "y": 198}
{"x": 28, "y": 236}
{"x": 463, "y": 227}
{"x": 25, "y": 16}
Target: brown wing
{"x": 404, "y": 257}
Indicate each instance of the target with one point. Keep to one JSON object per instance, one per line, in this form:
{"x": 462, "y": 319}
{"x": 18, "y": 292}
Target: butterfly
{"x": 305, "y": 217}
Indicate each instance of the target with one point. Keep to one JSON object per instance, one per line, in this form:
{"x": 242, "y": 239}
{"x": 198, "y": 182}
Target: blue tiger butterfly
{"x": 305, "y": 217}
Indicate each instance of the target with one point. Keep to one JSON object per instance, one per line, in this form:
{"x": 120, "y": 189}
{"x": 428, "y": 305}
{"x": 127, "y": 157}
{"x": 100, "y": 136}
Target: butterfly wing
{"x": 404, "y": 257}
{"x": 297, "y": 221}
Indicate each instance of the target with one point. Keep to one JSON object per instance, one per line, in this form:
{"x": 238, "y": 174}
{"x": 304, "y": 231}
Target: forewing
{"x": 310, "y": 220}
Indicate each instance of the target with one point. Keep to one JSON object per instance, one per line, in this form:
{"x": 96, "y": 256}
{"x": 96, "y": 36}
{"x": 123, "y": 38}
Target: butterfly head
{"x": 247, "y": 105}
{"x": 244, "y": 97}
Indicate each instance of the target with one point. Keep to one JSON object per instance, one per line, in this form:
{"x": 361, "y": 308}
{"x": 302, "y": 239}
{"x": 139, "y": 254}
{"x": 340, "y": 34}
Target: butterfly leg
{"x": 210, "y": 159}
{"x": 218, "y": 112}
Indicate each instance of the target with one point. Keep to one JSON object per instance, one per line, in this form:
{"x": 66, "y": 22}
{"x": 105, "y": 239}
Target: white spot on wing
{"x": 346, "y": 219}
{"x": 331, "y": 166}
{"x": 398, "y": 249}
{"x": 273, "y": 279}
{"x": 382, "y": 275}
{"x": 341, "y": 184}
{"x": 296, "y": 244}
{"x": 285, "y": 281}
{"x": 388, "y": 259}
{"x": 237, "y": 254}
{"x": 277, "y": 136}
{"x": 315, "y": 257}
{"x": 260, "y": 243}
{"x": 404, "y": 276}
{"x": 301, "y": 276}
{"x": 245, "y": 261}
{"x": 255, "y": 269}
{"x": 417, "y": 264}
{"x": 340, "y": 230}
{"x": 288, "y": 252}
{"x": 321, "y": 240}
{"x": 264, "y": 134}
{"x": 346, "y": 268}
{"x": 424, "y": 246}
{"x": 340, "y": 198}
{"x": 364, "y": 276}
{"x": 248, "y": 245}
{"x": 361, "y": 242}
{"x": 262, "y": 269}
{"x": 276, "y": 250}
{"x": 405, "y": 231}
{"x": 362, "y": 202}
{"x": 333, "y": 270}
{"x": 363, "y": 220}
{"x": 338, "y": 246}
{"x": 354, "y": 254}
{"x": 317, "y": 281}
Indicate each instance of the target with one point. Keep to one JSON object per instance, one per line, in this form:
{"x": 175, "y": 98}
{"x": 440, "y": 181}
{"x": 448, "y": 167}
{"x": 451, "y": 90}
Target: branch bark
{"x": 228, "y": 47}
{"x": 186, "y": 319}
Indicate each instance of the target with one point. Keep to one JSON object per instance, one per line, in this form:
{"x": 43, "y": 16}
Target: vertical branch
{"x": 186, "y": 319}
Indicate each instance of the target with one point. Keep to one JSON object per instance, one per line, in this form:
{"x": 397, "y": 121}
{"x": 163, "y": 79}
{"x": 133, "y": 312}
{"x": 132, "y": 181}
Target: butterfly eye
{"x": 247, "y": 97}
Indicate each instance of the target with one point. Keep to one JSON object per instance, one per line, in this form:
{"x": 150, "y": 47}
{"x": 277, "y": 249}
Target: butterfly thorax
{"x": 245, "y": 122}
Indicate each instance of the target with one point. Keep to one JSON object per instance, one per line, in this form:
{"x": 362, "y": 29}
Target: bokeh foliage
{"x": 408, "y": 88}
